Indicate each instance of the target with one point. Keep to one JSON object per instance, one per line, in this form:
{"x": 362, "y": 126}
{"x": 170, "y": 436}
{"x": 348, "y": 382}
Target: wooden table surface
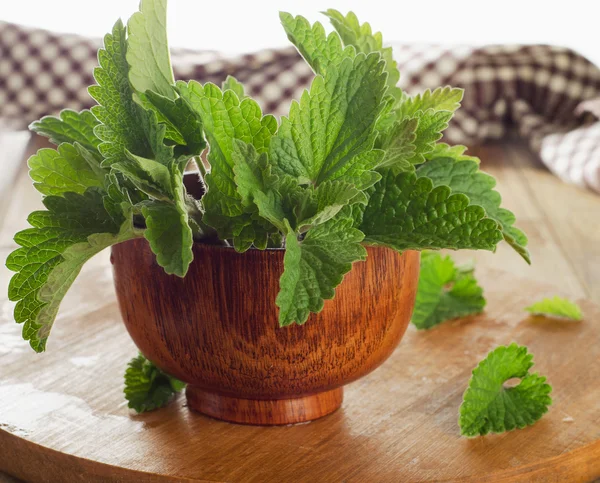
{"x": 564, "y": 233}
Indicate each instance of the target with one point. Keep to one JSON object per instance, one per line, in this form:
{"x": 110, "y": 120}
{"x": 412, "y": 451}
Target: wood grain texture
{"x": 217, "y": 328}
{"x": 63, "y": 417}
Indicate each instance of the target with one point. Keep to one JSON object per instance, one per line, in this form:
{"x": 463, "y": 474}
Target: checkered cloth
{"x": 546, "y": 94}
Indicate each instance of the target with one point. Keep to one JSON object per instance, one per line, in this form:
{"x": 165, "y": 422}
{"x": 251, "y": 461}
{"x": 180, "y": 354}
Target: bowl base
{"x": 264, "y": 412}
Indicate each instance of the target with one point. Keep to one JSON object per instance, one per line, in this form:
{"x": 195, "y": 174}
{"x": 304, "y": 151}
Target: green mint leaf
{"x": 409, "y": 213}
{"x": 463, "y": 176}
{"x": 398, "y": 142}
{"x": 315, "y": 266}
{"x": 147, "y": 387}
{"x": 445, "y": 292}
{"x": 330, "y": 133}
{"x": 168, "y": 230}
{"x": 429, "y": 131}
{"x": 556, "y": 307}
{"x": 443, "y": 150}
{"x": 231, "y": 83}
{"x": 69, "y": 127}
{"x": 257, "y": 185}
{"x": 490, "y": 407}
{"x": 73, "y": 229}
{"x": 318, "y": 49}
{"x": 364, "y": 40}
{"x": 226, "y": 118}
{"x": 147, "y": 175}
{"x": 326, "y": 201}
{"x": 148, "y": 49}
{"x": 56, "y": 172}
{"x": 277, "y": 199}
{"x": 432, "y": 110}
{"x": 122, "y": 120}
{"x": 118, "y": 199}
{"x": 441, "y": 99}
{"x": 182, "y": 124}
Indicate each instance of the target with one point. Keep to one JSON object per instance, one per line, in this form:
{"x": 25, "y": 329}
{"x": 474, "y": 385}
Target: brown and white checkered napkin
{"x": 546, "y": 94}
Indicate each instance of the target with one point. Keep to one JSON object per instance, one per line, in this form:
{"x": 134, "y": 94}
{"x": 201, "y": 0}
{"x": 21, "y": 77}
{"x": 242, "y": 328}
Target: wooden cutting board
{"x": 63, "y": 416}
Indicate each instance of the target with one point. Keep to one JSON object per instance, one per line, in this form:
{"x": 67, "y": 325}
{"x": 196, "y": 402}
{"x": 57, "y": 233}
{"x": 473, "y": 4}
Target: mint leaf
{"x": 257, "y": 185}
{"x": 445, "y": 292}
{"x": 318, "y": 49}
{"x": 432, "y": 110}
{"x": 73, "y": 229}
{"x": 56, "y": 172}
{"x": 330, "y": 133}
{"x": 408, "y": 213}
{"x": 315, "y": 266}
{"x": 326, "y": 201}
{"x": 364, "y": 40}
{"x": 441, "y": 99}
{"x": 169, "y": 235}
{"x": 147, "y": 387}
{"x": 457, "y": 152}
{"x": 463, "y": 176}
{"x": 182, "y": 124}
{"x": 226, "y": 118}
{"x": 556, "y": 307}
{"x": 168, "y": 230}
{"x": 490, "y": 407}
{"x": 429, "y": 131}
{"x": 122, "y": 120}
{"x": 148, "y": 49}
{"x": 231, "y": 83}
{"x": 398, "y": 142}
{"x": 69, "y": 127}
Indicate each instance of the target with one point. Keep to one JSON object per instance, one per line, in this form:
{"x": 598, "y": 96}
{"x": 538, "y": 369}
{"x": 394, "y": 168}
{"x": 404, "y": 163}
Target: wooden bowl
{"x": 217, "y": 330}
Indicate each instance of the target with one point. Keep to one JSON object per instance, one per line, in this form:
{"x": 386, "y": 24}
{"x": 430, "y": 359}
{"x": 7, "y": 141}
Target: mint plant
{"x": 357, "y": 162}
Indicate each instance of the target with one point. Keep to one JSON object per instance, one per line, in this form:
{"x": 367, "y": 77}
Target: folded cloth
{"x": 549, "y": 95}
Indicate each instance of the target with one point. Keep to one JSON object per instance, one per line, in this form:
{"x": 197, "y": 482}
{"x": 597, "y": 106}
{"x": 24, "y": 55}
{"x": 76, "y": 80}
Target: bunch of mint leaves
{"x": 356, "y": 162}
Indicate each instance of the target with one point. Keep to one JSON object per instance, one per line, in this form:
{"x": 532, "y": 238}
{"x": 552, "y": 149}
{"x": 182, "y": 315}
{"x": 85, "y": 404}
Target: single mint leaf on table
{"x": 73, "y": 229}
{"x": 147, "y": 387}
{"x": 318, "y": 49}
{"x": 445, "y": 292}
{"x": 556, "y": 307}
{"x": 226, "y": 118}
{"x": 490, "y": 407}
{"x": 148, "y": 49}
{"x": 56, "y": 172}
{"x": 231, "y": 83}
{"x": 315, "y": 266}
{"x": 463, "y": 176}
{"x": 408, "y": 213}
{"x": 364, "y": 40}
{"x": 69, "y": 127}
{"x": 330, "y": 133}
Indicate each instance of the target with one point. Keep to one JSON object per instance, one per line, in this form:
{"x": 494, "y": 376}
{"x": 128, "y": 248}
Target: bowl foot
{"x": 264, "y": 412}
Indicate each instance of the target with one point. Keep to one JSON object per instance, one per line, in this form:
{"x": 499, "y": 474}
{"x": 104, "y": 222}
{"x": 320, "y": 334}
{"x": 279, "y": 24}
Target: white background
{"x": 243, "y": 26}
